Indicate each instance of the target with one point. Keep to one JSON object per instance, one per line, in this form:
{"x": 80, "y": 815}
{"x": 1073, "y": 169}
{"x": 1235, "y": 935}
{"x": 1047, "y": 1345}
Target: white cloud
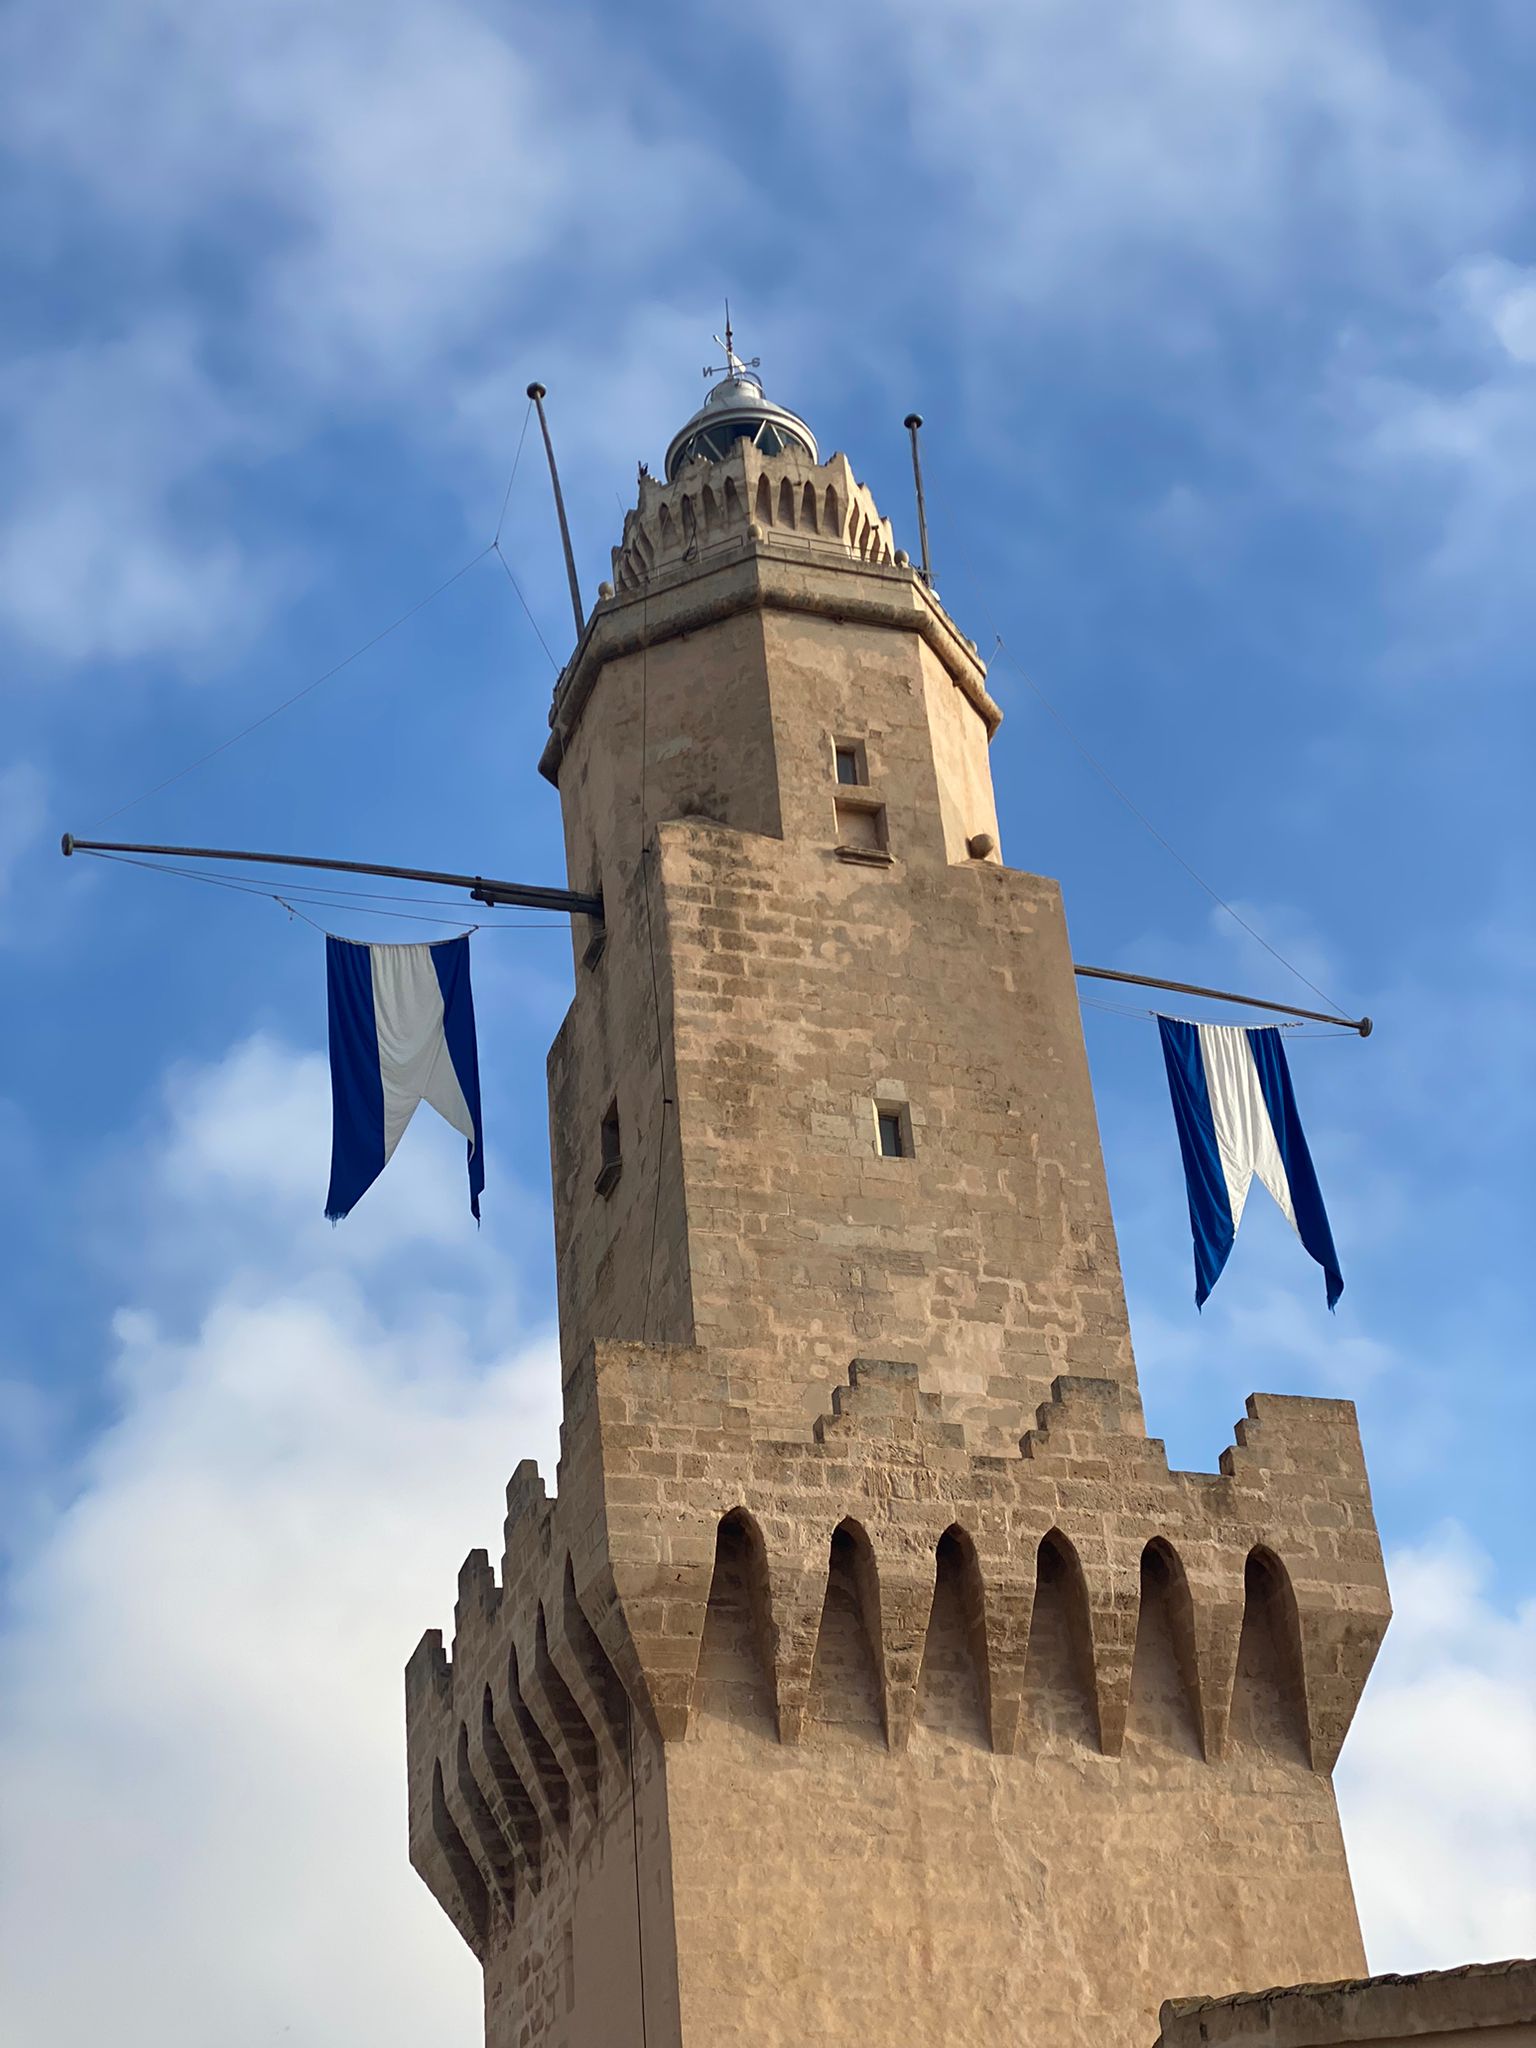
{"x": 248, "y": 1139}
{"x": 1436, "y": 434}
{"x": 319, "y": 210}
{"x": 1192, "y": 191}
{"x": 391, "y": 170}
{"x": 105, "y": 552}
{"x": 232, "y": 1168}
{"x": 32, "y": 1421}
{"x": 202, "y": 1732}
{"x": 351, "y": 207}
{"x": 1098, "y": 154}
{"x": 1499, "y": 296}
{"x": 1438, "y": 1780}
{"x": 1302, "y": 1347}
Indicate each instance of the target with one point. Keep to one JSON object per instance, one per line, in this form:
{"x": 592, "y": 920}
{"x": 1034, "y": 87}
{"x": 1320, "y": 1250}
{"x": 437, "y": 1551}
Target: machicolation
{"x": 875, "y": 1596}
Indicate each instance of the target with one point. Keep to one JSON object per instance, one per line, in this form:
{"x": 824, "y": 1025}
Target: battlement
{"x": 814, "y": 508}
{"x": 1079, "y": 1598}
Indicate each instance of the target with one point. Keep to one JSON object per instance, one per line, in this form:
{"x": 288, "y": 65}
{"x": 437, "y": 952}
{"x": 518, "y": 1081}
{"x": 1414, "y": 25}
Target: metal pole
{"x": 912, "y": 422}
{"x": 537, "y": 394}
{"x": 1225, "y": 995}
{"x": 527, "y": 895}
{"x": 533, "y": 896}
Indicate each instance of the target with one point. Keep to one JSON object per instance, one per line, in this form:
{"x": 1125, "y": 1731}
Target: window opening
{"x": 850, "y": 763}
{"x": 611, "y": 1160}
{"x": 893, "y": 1130}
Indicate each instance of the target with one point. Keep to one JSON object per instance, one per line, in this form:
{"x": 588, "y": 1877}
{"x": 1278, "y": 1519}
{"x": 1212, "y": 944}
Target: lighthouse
{"x": 866, "y": 1675}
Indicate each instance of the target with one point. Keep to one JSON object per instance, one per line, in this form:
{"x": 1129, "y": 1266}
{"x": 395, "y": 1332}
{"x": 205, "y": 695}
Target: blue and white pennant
{"x": 1236, "y": 1114}
{"x": 402, "y": 1031}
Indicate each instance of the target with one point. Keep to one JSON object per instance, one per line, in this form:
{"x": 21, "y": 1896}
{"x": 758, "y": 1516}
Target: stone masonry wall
{"x": 765, "y": 986}
{"x": 989, "y": 1253}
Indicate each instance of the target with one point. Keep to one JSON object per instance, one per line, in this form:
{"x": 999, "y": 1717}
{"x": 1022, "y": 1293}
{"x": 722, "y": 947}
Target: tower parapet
{"x": 714, "y": 509}
{"x": 871, "y": 1674}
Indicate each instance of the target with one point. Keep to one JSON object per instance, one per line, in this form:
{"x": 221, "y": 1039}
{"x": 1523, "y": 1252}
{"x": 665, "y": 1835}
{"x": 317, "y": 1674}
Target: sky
{"x": 1223, "y": 323}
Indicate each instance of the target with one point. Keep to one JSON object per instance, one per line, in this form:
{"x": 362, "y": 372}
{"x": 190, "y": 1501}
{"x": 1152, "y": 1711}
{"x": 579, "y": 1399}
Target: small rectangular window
{"x": 893, "y": 1130}
{"x": 611, "y": 1160}
{"x": 850, "y": 762}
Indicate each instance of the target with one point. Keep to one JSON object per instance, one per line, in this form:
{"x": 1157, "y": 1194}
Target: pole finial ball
{"x": 536, "y": 392}
{"x": 913, "y": 419}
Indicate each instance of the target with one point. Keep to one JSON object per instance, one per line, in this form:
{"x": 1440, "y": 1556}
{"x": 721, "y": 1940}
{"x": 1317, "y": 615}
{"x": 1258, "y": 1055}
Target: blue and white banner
{"x": 1236, "y": 1114}
{"x": 402, "y": 1024}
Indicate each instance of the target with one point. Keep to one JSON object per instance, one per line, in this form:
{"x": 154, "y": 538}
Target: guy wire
{"x": 493, "y": 546}
{"x": 1301, "y": 1033}
{"x": 501, "y": 517}
{"x": 315, "y": 901}
{"x": 267, "y": 716}
{"x": 495, "y": 549}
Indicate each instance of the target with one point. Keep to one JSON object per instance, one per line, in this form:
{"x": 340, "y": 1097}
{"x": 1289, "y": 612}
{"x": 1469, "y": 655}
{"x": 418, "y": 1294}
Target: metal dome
{"x": 736, "y": 410}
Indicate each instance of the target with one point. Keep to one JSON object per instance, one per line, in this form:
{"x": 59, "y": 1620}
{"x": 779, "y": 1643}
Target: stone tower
{"x": 870, "y": 1678}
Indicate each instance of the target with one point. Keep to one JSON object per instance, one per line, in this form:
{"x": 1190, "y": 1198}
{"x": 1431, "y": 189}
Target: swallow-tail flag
{"x": 402, "y": 1027}
{"x": 1236, "y": 1113}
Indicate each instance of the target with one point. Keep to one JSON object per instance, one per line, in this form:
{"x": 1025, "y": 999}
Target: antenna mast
{"x": 537, "y": 393}
{"x": 912, "y": 422}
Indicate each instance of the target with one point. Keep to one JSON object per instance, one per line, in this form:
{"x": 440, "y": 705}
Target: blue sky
{"x": 1223, "y": 321}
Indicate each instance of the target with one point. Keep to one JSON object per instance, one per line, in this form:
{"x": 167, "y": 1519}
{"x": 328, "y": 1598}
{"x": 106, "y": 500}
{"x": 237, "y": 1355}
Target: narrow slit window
{"x": 610, "y": 1154}
{"x": 893, "y": 1130}
{"x": 846, "y": 756}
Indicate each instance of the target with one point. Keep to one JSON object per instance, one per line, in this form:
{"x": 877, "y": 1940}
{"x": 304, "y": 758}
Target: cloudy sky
{"x": 1223, "y": 319}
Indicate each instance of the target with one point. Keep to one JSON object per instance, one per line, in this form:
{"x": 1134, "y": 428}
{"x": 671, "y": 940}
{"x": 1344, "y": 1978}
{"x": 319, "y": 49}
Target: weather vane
{"x": 734, "y": 365}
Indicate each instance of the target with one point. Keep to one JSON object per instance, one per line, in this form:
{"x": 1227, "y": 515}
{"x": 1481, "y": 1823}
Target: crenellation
{"x": 526, "y": 1495}
{"x": 426, "y": 1673}
{"x": 479, "y": 1594}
